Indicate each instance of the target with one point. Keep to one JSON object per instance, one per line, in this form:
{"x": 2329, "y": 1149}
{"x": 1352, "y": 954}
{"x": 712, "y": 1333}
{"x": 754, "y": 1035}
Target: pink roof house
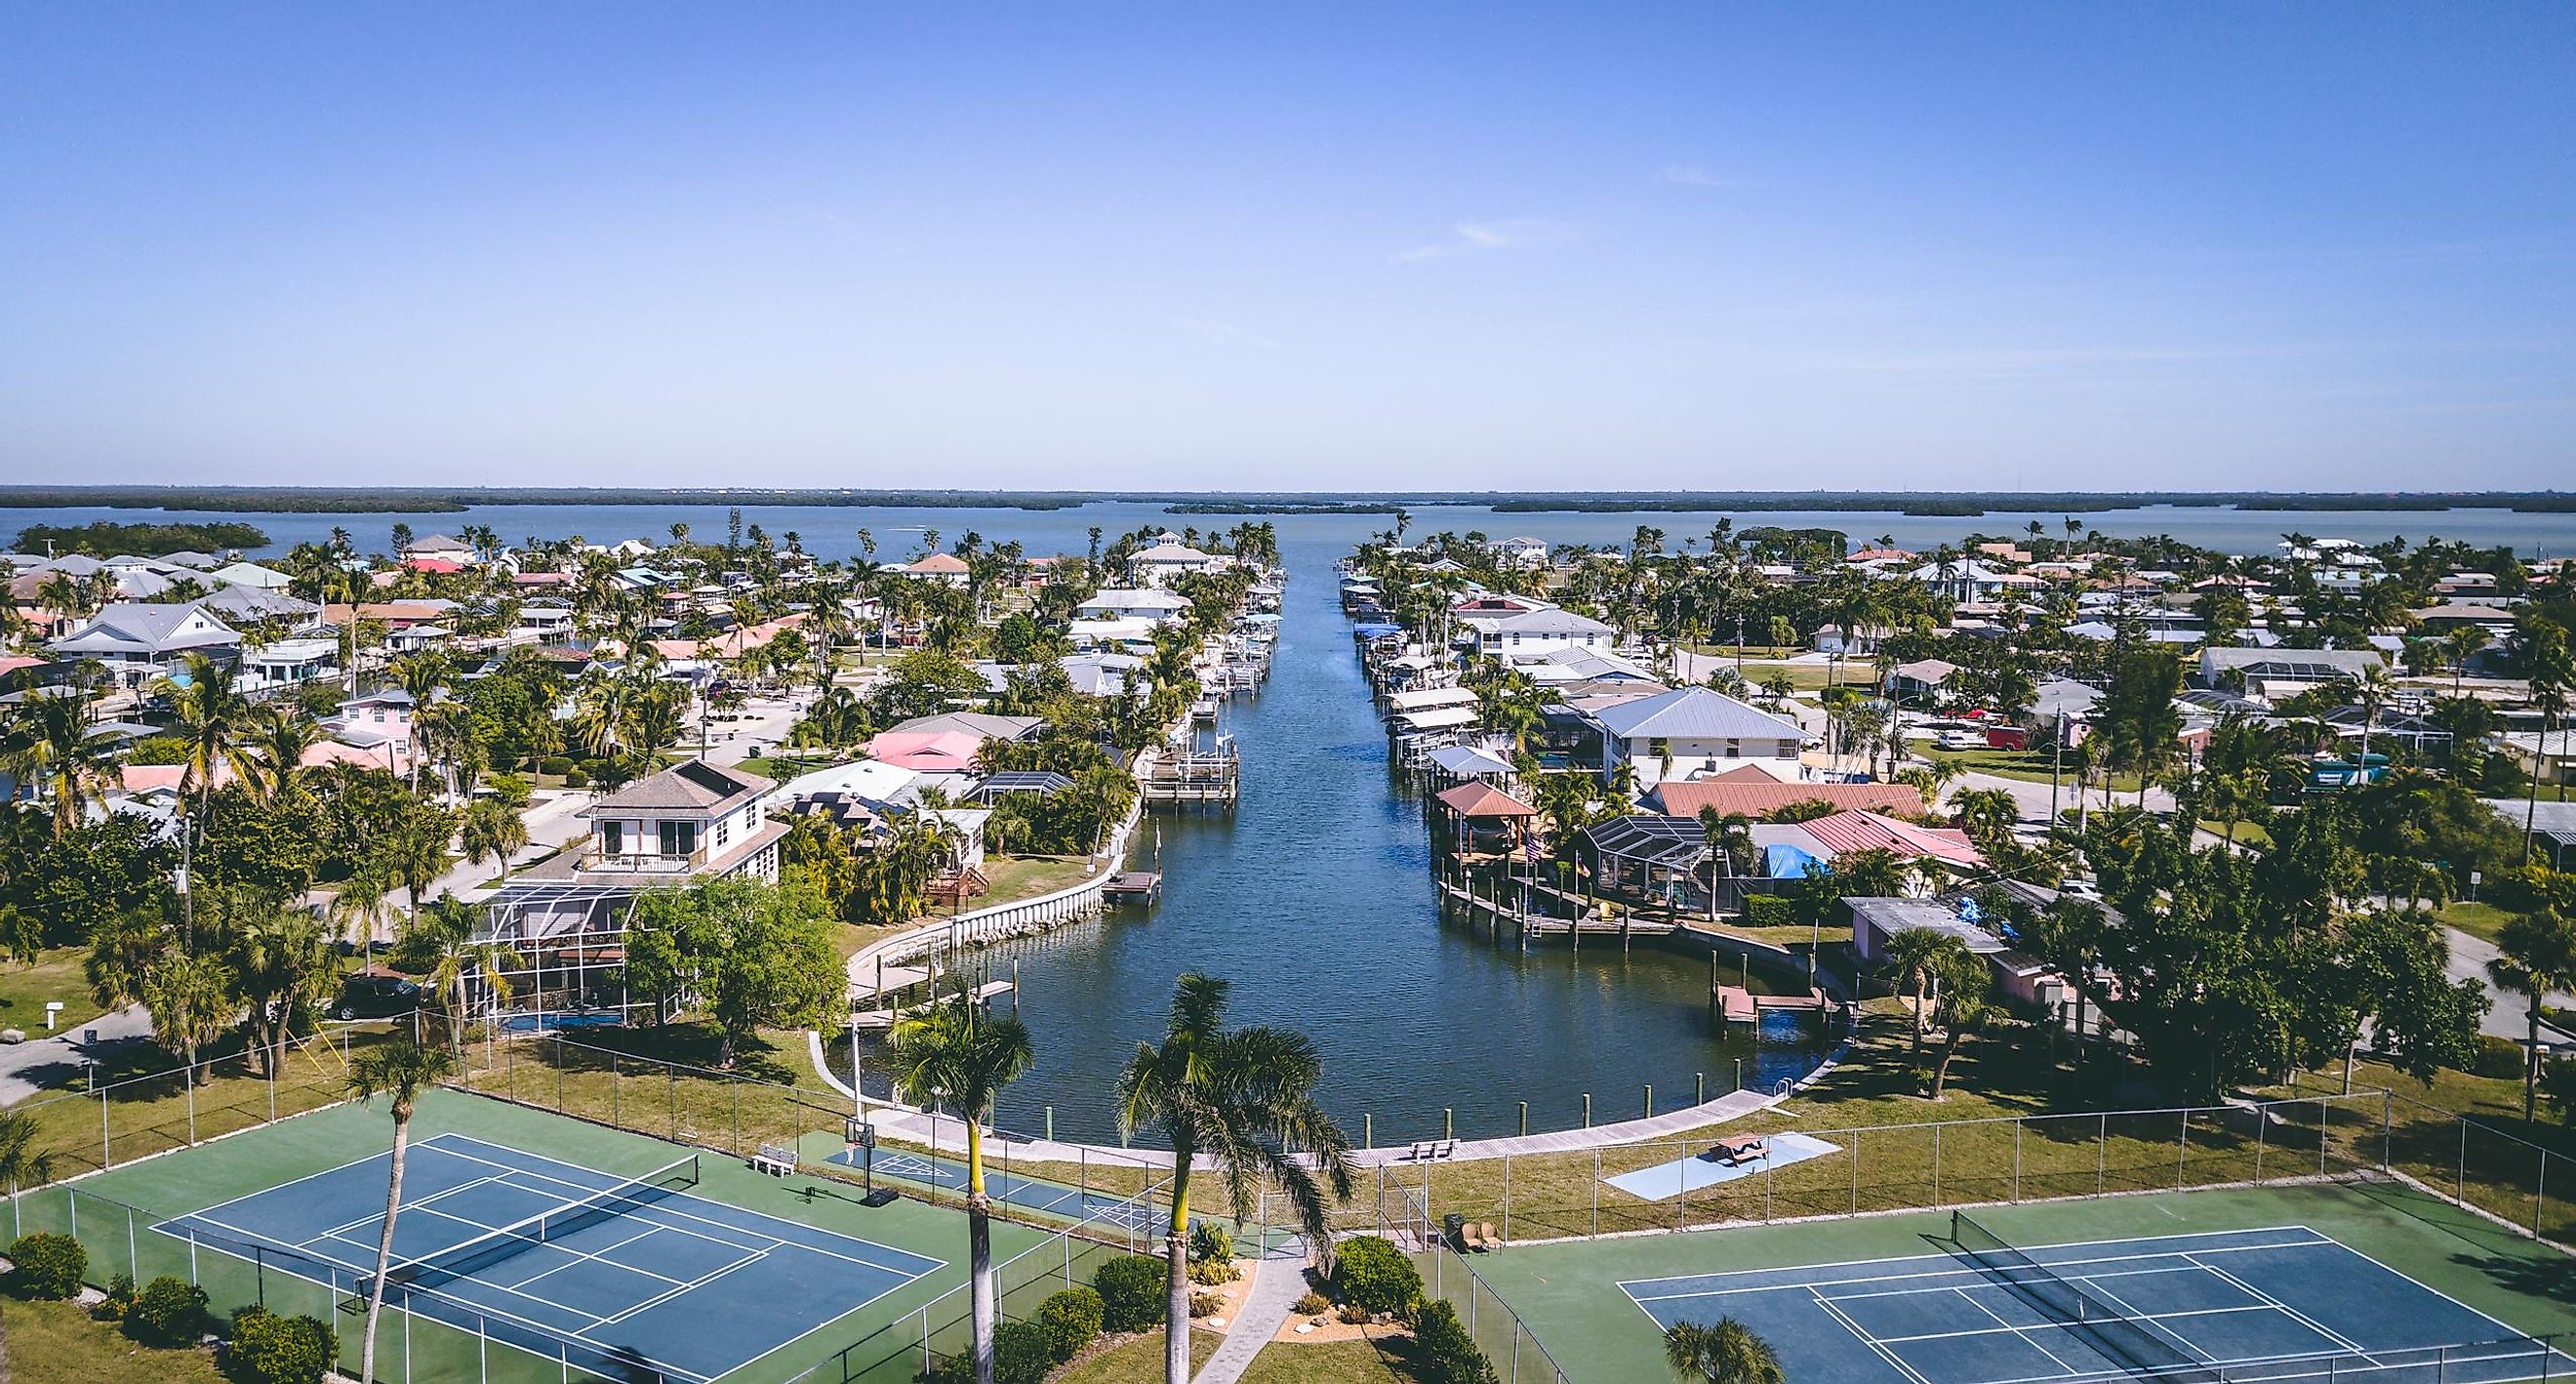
{"x": 934, "y": 752}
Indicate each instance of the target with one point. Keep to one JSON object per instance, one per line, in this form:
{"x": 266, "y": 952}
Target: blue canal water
{"x": 1314, "y": 895}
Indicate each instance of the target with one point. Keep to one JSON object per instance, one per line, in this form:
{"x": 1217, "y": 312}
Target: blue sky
{"x": 1210, "y": 246}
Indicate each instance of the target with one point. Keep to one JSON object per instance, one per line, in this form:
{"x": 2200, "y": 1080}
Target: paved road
{"x": 2470, "y": 954}
{"x": 42, "y": 1064}
{"x": 552, "y": 819}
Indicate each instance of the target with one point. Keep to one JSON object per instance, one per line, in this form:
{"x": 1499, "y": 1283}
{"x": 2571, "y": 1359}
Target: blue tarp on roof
{"x": 1376, "y": 630}
{"x": 1787, "y": 862}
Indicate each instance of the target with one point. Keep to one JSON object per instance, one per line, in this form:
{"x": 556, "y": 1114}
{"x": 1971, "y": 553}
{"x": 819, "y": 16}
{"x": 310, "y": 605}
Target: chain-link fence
{"x": 2473, "y": 1162}
{"x": 1686, "y": 1184}
{"x": 1508, "y": 1343}
{"x": 96, "y": 1127}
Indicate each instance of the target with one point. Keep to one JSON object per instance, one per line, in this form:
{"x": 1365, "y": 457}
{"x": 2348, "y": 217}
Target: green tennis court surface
{"x": 2356, "y": 1282}
{"x": 534, "y": 1247}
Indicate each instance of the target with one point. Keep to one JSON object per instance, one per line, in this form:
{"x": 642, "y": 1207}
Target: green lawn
{"x": 1140, "y": 1361}
{"x": 2029, "y": 766}
{"x": 59, "y": 1343}
{"x": 55, "y": 975}
{"x": 2476, "y": 919}
{"x": 1027, "y": 876}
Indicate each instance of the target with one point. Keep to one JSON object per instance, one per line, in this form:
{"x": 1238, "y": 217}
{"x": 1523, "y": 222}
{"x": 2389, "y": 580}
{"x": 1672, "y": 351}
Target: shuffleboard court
{"x": 2278, "y": 1303}
{"x": 619, "y": 1276}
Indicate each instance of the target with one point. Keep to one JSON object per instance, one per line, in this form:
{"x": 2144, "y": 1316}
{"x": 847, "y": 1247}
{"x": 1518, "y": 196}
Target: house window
{"x": 612, "y": 838}
{"x": 679, "y": 838}
{"x": 724, "y": 829}
{"x": 1733, "y": 749}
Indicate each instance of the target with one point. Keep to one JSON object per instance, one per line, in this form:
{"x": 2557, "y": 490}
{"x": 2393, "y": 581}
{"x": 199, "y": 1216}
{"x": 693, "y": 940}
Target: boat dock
{"x": 1133, "y": 886}
{"x": 985, "y": 993}
{"x": 1736, "y": 1005}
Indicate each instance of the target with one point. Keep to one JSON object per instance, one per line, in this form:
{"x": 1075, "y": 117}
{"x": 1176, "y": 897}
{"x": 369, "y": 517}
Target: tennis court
{"x": 2271, "y": 1303}
{"x": 1137, "y": 1215}
{"x": 622, "y": 1276}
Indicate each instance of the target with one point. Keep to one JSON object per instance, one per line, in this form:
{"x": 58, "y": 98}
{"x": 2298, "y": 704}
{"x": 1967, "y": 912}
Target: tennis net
{"x": 517, "y": 1238}
{"x": 2111, "y": 1329}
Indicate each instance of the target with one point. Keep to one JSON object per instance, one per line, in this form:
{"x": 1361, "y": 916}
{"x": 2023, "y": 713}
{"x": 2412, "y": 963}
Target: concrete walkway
{"x": 1277, "y": 1283}
{"x": 2470, "y": 954}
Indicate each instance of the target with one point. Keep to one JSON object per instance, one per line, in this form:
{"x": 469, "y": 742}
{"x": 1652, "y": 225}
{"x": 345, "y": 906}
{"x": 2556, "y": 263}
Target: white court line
{"x": 580, "y": 1257}
{"x": 2008, "y": 1326}
{"x": 662, "y": 1206}
{"x": 2313, "y": 1238}
{"x": 2446, "y": 1297}
{"x": 680, "y": 1288}
{"x": 2292, "y": 1313}
{"x": 1952, "y": 1265}
{"x": 2053, "y": 1325}
{"x": 424, "y": 1204}
{"x": 1876, "y": 1346}
{"x": 1976, "y": 1278}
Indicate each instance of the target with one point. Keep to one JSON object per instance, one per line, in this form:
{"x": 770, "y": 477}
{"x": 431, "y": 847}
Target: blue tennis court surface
{"x": 2274, "y": 1304}
{"x": 663, "y": 1283}
{"x": 1137, "y": 1214}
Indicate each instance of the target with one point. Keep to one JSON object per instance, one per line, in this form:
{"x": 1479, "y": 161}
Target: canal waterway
{"x": 1314, "y": 895}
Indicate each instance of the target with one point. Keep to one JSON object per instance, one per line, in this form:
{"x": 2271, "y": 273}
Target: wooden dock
{"x": 1133, "y": 886}
{"x": 1496, "y": 910}
{"x": 985, "y": 993}
{"x": 1737, "y": 1005}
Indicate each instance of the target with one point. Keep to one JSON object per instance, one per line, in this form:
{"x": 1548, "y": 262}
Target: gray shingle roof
{"x": 690, "y": 786}
{"x": 1694, "y": 713}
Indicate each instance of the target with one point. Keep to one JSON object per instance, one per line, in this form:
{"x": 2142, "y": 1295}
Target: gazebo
{"x": 1488, "y": 820}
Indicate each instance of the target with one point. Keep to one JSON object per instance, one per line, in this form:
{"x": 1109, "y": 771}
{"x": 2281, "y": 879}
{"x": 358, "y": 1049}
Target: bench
{"x": 1431, "y": 1151}
{"x": 777, "y": 1160}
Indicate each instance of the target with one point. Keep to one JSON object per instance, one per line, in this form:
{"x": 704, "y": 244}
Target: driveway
{"x": 44, "y": 1064}
{"x": 2470, "y": 954}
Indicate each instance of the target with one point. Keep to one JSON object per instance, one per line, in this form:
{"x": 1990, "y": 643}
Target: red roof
{"x": 1760, "y": 797}
{"x": 1863, "y": 831}
{"x": 1476, "y": 798}
{"x": 433, "y": 564}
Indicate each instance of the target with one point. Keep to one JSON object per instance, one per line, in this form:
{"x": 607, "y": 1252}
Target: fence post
{"x": 2325, "y": 1125}
{"x": 671, "y": 1073}
{"x": 616, "y": 1107}
{"x": 1507, "y": 1203}
{"x": 2539, "y": 1192}
{"x": 1596, "y": 1191}
{"x": 1936, "y": 1166}
{"x": 106, "y": 1153}
{"x": 2182, "y": 1151}
{"x": 2462, "y": 1195}
{"x": 2016, "y": 1196}
{"x": 2387, "y": 1126}
{"x": 2263, "y": 1126}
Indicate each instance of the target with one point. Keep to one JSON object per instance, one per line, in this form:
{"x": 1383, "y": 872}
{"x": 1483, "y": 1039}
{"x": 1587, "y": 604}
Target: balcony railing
{"x": 643, "y": 862}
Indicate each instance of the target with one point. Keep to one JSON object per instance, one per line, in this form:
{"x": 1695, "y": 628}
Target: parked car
{"x": 1959, "y": 740}
{"x": 375, "y": 995}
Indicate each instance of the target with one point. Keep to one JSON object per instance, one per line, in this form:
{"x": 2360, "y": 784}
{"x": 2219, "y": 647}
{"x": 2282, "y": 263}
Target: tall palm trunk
{"x": 979, "y": 1251}
{"x": 2531, "y": 809}
{"x": 1176, "y": 1252}
{"x": 2531, "y": 1052}
{"x": 384, "y": 1247}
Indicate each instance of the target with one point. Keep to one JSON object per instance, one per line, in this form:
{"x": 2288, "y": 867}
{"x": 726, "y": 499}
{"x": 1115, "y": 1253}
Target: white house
{"x": 1972, "y": 581}
{"x": 288, "y": 662}
{"x": 138, "y": 643}
{"x": 1151, "y": 605}
{"x": 690, "y": 820}
{"x": 1540, "y": 630}
{"x": 1109, "y": 634}
{"x": 946, "y": 568}
{"x": 1165, "y": 563}
{"x": 1527, "y": 554}
{"x": 1690, "y": 731}
{"x": 250, "y": 574}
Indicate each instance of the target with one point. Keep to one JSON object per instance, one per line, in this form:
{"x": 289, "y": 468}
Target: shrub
{"x": 1769, "y": 910}
{"x": 2502, "y": 1058}
{"x": 1131, "y": 1292}
{"x": 1352, "y": 1314}
{"x": 1312, "y": 1304}
{"x": 1376, "y": 1277}
{"x": 1206, "y": 1304}
{"x": 1208, "y": 1242}
{"x": 1071, "y": 1320}
{"x": 1443, "y": 1353}
{"x": 119, "y": 1299}
{"x": 1209, "y": 1273}
{"x": 48, "y": 1265}
{"x": 167, "y": 1312}
{"x": 576, "y": 776}
{"x": 270, "y": 1349}
{"x": 1020, "y": 1356}
{"x": 554, "y": 766}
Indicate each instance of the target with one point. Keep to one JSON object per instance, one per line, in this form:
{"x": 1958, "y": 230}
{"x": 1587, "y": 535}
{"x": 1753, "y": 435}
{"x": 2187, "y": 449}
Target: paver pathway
{"x": 1276, "y": 1285}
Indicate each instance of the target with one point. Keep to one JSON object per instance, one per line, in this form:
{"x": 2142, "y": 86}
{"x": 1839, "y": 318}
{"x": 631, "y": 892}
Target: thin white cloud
{"x": 1692, "y": 175}
{"x": 1469, "y": 237}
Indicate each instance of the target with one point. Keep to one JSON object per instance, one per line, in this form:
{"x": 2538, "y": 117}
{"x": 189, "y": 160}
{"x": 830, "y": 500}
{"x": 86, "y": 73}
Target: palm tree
{"x": 490, "y": 830}
{"x": 278, "y": 742}
{"x": 1914, "y": 955}
{"x": 1727, "y": 1353}
{"x": 193, "y": 1001}
{"x": 2068, "y": 932}
{"x": 1244, "y": 1099}
{"x": 2371, "y": 688}
{"x": 447, "y": 930}
{"x": 955, "y": 1054}
{"x": 2537, "y": 956}
{"x": 1963, "y": 1004}
{"x": 400, "y": 1071}
{"x": 214, "y": 722}
{"x": 47, "y": 743}
{"x": 2466, "y": 643}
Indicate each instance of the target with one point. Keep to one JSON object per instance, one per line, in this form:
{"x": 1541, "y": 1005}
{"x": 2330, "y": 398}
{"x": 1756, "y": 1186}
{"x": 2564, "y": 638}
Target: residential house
{"x": 1165, "y": 563}
{"x": 1690, "y": 731}
{"x": 1924, "y": 682}
{"x": 288, "y": 662}
{"x": 1750, "y": 793}
{"x": 2275, "y": 673}
{"x": 137, "y": 643}
{"x": 692, "y": 820}
{"x": 1537, "y": 631}
{"x": 1522, "y": 553}
{"x": 1972, "y": 580}
{"x": 250, "y": 574}
{"x": 376, "y": 721}
{"x": 1152, "y": 605}
{"x": 1100, "y": 674}
{"x": 945, "y": 568}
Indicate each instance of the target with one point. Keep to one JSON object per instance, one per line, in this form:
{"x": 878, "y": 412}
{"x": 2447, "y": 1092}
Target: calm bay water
{"x": 1313, "y": 896}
